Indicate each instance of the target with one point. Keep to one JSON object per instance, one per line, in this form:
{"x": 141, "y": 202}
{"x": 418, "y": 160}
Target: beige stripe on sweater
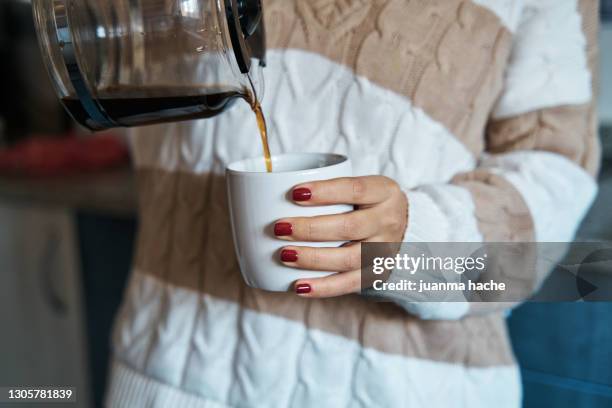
{"x": 424, "y": 60}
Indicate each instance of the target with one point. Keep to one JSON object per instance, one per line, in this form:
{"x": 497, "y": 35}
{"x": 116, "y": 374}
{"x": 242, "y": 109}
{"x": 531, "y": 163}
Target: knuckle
{"x": 397, "y": 220}
{"x": 352, "y": 261}
{"x": 315, "y": 257}
{"x": 355, "y": 283}
{"x": 391, "y": 220}
{"x": 311, "y": 230}
{"x": 392, "y": 186}
{"x": 350, "y": 227}
{"x": 359, "y": 187}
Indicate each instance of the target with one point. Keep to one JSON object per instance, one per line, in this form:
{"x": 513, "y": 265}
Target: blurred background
{"x": 67, "y": 229}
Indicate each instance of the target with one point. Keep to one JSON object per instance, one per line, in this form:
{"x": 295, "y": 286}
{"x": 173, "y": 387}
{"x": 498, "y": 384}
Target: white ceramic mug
{"x": 258, "y": 199}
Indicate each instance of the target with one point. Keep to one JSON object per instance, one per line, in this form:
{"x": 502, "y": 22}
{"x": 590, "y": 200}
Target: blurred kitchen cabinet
{"x": 42, "y": 331}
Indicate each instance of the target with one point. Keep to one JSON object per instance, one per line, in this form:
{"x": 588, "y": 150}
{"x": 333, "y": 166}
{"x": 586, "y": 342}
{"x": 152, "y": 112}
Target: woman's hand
{"x": 381, "y": 215}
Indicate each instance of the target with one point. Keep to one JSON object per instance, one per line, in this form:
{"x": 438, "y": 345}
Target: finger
{"x": 342, "y": 259}
{"x": 351, "y": 226}
{"x": 330, "y": 286}
{"x": 347, "y": 190}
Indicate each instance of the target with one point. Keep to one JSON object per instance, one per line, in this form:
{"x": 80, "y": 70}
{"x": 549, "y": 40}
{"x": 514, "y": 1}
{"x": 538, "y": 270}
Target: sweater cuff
{"x": 426, "y": 222}
{"x": 441, "y": 213}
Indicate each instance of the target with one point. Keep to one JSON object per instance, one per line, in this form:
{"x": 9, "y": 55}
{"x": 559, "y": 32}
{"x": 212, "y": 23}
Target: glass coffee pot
{"x": 137, "y": 62}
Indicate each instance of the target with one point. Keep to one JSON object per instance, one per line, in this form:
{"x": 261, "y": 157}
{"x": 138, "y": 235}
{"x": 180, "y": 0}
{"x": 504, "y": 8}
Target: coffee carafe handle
{"x": 247, "y": 31}
{"x": 257, "y": 43}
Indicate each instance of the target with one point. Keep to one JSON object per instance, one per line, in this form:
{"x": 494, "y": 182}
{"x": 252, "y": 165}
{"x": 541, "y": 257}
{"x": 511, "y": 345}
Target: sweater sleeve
{"x": 536, "y": 179}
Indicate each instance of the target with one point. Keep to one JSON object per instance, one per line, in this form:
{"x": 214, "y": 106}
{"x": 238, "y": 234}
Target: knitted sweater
{"x": 481, "y": 110}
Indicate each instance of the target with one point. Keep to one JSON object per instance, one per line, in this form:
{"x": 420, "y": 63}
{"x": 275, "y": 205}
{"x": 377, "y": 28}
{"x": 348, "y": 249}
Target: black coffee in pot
{"x": 140, "y": 106}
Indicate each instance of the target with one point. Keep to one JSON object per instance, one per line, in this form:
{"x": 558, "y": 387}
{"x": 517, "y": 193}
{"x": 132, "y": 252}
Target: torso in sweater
{"x": 414, "y": 90}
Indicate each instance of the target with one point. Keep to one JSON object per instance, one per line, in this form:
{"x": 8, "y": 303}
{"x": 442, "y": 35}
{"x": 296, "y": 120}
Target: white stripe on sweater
{"x": 548, "y": 66}
{"x": 240, "y": 357}
{"x": 314, "y": 104}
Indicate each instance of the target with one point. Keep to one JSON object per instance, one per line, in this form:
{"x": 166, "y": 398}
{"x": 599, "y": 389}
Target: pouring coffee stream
{"x": 263, "y": 131}
{"x": 262, "y": 125}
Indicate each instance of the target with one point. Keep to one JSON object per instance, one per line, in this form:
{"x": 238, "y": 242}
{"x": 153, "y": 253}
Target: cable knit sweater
{"x": 482, "y": 110}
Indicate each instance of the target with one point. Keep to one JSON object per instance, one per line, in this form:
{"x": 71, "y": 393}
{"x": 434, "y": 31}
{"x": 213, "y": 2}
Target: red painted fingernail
{"x": 289, "y": 255}
{"x": 303, "y": 288}
{"x": 302, "y": 194}
{"x": 282, "y": 229}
